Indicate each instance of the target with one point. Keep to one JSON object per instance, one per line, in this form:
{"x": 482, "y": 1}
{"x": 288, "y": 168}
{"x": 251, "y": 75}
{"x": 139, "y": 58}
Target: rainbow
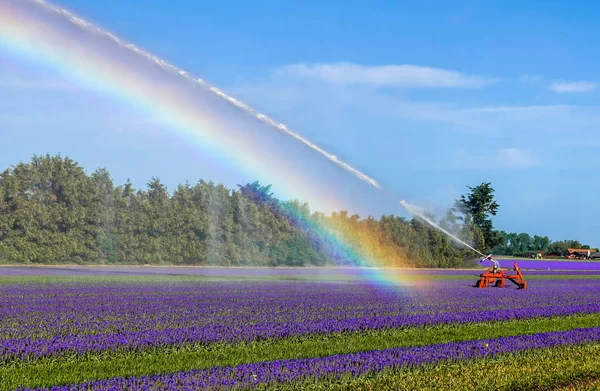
{"x": 102, "y": 62}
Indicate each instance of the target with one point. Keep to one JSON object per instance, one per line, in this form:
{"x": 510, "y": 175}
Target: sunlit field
{"x": 219, "y": 328}
{"x": 299, "y": 196}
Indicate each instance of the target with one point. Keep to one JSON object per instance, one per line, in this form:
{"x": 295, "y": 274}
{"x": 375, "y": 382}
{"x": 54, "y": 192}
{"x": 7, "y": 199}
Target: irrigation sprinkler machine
{"x": 494, "y": 276}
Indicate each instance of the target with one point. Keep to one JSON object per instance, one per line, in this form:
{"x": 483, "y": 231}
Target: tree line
{"x": 524, "y": 245}
{"x": 52, "y": 211}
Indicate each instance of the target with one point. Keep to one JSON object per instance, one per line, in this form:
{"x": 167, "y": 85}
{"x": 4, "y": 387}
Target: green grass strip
{"x": 559, "y": 368}
{"x": 67, "y": 370}
{"x": 469, "y": 276}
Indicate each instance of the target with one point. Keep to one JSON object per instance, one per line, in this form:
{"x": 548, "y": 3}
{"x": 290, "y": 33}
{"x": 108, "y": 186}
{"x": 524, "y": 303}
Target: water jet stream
{"x": 200, "y": 82}
{"x": 414, "y": 211}
{"x": 170, "y": 69}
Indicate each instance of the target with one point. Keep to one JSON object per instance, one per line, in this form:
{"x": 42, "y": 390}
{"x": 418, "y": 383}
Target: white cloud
{"x": 386, "y": 75}
{"x": 515, "y": 158}
{"x": 283, "y": 97}
{"x": 576, "y": 86}
{"x": 439, "y": 123}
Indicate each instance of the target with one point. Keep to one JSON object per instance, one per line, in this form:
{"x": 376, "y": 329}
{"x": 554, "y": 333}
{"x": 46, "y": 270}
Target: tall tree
{"x": 477, "y": 207}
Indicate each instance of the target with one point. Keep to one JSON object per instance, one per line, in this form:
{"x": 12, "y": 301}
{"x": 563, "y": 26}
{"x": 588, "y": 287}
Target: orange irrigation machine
{"x": 494, "y": 276}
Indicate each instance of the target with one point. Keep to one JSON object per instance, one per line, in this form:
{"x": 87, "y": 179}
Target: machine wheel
{"x": 479, "y": 283}
{"x": 498, "y": 283}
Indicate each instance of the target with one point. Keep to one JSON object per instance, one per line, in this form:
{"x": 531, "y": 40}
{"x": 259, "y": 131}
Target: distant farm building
{"x": 595, "y": 255}
{"x": 579, "y": 253}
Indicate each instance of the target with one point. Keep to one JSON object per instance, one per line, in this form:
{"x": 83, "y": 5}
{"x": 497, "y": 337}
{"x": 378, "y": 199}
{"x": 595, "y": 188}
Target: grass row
{"x": 469, "y": 276}
{"x": 560, "y": 368}
{"x": 75, "y": 369}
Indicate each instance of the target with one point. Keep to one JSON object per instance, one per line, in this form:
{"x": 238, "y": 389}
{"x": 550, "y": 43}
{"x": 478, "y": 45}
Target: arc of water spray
{"x": 412, "y": 209}
{"x": 198, "y": 81}
{"x": 239, "y": 104}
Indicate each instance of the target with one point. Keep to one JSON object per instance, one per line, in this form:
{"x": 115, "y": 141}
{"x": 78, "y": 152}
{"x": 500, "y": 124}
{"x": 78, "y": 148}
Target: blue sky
{"x": 428, "y": 97}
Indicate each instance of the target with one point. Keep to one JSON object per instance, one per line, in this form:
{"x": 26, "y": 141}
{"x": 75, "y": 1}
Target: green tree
{"x": 102, "y": 214}
{"x": 477, "y": 207}
{"x": 560, "y": 247}
{"x": 52, "y": 211}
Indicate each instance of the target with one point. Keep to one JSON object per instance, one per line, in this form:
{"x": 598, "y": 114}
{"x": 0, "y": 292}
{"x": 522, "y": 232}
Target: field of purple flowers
{"x": 50, "y": 326}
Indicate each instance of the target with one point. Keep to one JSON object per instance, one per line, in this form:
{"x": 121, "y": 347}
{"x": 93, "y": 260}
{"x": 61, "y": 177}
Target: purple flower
{"x": 40, "y": 320}
{"x": 248, "y": 375}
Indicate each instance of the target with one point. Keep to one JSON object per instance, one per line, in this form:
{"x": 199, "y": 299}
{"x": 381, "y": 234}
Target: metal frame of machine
{"x": 494, "y": 276}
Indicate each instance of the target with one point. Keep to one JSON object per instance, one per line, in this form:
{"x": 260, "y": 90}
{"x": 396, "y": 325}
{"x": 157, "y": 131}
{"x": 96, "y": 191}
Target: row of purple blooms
{"x": 249, "y": 375}
{"x": 79, "y": 344}
{"x": 78, "y": 319}
{"x": 46, "y": 311}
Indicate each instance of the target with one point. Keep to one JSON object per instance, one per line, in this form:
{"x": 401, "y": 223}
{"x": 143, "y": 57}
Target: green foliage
{"x": 521, "y": 244}
{"x": 52, "y": 212}
{"x": 47, "y": 212}
{"x": 476, "y": 208}
{"x": 524, "y": 245}
{"x": 560, "y": 247}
